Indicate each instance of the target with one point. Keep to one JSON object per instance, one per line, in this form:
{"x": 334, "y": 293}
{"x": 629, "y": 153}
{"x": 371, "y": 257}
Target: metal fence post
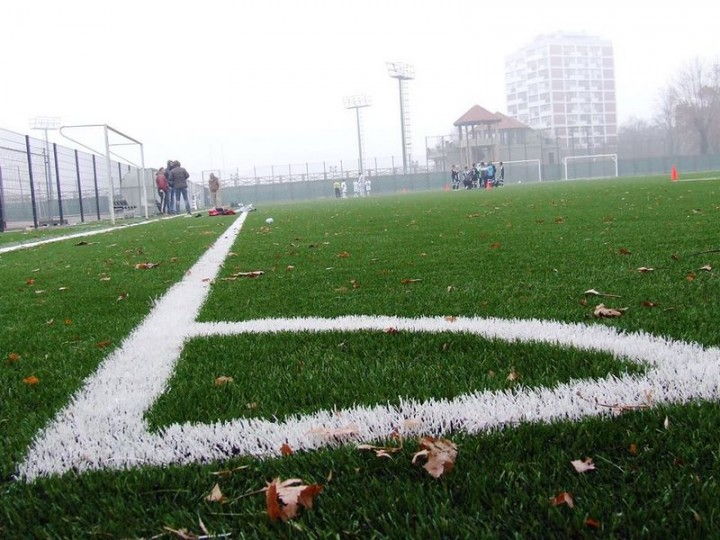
{"x": 57, "y": 183}
{"x": 77, "y": 174}
{"x": 32, "y": 184}
{"x": 97, "y": 193}
{"x": 2, "y": 204}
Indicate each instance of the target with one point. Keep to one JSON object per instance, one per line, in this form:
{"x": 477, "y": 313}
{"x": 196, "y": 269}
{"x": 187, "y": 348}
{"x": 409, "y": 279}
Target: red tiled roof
{"x": 507, "y": 122}
{"x": 476, "y": 115}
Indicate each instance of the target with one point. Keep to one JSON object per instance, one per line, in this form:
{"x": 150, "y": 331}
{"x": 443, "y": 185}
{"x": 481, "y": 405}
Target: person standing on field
{"x": 171, "y": 191}
{"x": 163, "y": 189}
{"x": 214, "y": 186}
{"x": 179, "y": 177}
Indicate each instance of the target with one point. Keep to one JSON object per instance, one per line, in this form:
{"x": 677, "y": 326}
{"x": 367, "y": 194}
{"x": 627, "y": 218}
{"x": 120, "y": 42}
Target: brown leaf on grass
{"x": 674, "y": 257}
{"x": 495, "y": 245}
{"x": 343, "y": 255}
{"x": 451, "y": 318}
{"x": 602, "y": 312}
{"x": 706, "y": 268}
{"x": 391, "y": 330}
{"x": 103, "y": 344}
{"x": 105, "y": 278}
{"x": 253, "y": 274}
{"x": 382, "y": 451}
{"x": 68, "y": 322}
{"x": 624, "y": 251}
{"x": 406, "y": 281}
{"x": 645, "y": 269}
{"x": 439, "y": 455}
{"x": 146, "y": 266}
{"x": 513, "y": 375}
{"x": 30, "y": 281}
{"x": 450, "y": 288}
{"x": 32, "y": 380}
{"x": 562, "y": 498}
{"x": 355, "y": 283}
{"x": 122, "y": 296}
{"x": 633, "y": 449}
{"x": 691, "y": 276}
{"x": 286, "y": 450}
{"x": 223, "y": 380}
{"x": 251, "y": 405}
{"x": 216, "y": 495}
{"x": 583, "y": 465}
{"x": 283, "y": 499}
{"x": 175, "y": 259}
{"x": 182, "y": 534}
{"x": 592, "y": 523}
{"x": 13, "y": 357}
{"x": 559, "y": 220}
{"x": 649, "y": 303}
{"x": 583, "y": 302}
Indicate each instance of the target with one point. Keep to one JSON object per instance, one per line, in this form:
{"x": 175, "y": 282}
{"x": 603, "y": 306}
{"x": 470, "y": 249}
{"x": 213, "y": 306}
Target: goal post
{"x": 592, "y": 161}
{"x": 523, "y": 169}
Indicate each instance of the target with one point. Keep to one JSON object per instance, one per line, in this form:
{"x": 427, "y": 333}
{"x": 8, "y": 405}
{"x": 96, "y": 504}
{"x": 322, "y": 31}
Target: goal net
{"x": 522, "y": 171}
{"x": 590, "y": 166}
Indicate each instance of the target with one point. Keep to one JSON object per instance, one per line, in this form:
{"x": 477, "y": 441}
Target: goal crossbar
{"x": 614, "y": 158}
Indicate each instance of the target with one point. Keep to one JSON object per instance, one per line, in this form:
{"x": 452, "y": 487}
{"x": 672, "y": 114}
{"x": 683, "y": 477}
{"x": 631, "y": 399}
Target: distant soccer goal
{"x": 522, "y": 170}
{"x": 590, "y": 166}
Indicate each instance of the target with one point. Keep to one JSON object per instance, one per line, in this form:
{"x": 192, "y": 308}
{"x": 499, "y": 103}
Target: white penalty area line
{"x": 103, "y": 426}
{"x": 92, "y": 232}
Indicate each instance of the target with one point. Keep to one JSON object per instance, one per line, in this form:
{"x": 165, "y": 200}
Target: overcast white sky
{"x": 225, "y": 84}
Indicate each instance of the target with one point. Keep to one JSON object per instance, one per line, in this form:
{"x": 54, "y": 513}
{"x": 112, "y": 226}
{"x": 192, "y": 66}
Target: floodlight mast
{"x": 358, "y": 102}
{"x": 45, "y": 124}
{"x": 403, "y": 72}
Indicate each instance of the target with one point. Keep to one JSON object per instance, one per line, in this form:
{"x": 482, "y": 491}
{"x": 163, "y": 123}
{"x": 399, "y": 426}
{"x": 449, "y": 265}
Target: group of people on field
{"x": 361, "y": 187}
{"x": 480, "y": 175}
{"x": 172, "y": 186}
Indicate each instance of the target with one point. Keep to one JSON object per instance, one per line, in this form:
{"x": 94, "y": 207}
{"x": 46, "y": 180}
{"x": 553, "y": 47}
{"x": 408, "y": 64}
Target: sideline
{"x": 103, "y": 426}
{"x": 35, "y": 243}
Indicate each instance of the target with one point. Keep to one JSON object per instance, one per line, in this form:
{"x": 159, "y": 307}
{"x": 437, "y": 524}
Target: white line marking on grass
{"x": 27, "y": 245}
{"x": 705, "y": 179}
{"x": 103, "y": 426}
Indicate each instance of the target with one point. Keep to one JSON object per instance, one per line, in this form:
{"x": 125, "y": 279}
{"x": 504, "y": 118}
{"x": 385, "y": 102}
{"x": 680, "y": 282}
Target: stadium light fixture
{"x": 403, "y": 72}
{"x": 358, "y": 102}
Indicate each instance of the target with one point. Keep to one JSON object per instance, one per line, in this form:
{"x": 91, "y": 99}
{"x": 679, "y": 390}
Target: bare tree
{"x": 697, "y": 87}
{"x": 666, "y": 119}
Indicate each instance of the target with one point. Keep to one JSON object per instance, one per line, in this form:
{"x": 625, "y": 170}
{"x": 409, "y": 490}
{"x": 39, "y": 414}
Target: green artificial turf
{"x": 30, "y": 234}
{"x": 282, "y": 374}
{"x": 526, "y": 251}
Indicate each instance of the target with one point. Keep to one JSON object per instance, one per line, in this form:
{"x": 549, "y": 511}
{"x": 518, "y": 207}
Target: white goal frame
{"x": 614, "y": 157}
{"x": 539, "y": 165}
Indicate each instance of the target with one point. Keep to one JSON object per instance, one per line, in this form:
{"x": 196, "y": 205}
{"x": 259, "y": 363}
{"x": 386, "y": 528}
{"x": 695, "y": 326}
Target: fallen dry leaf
{"x": 562, "y": 498}
{"x": 343, "y": 255}
{"x": 32, "y": 380}
{"x": 691, "y": 276}
{"x": 666, "y": 423}
{"x": 450, "y": 288}
{"x": 706, "y": 268}
{"x": 633, "y": 449}
{"x": 603, "y": 312}
{"x": 40, "y": 291}
{"x": 289, "y": 268}
{"x": 405, "y": 281}
{"x": 283, "y": 499}
{"x": 513, "y": 375}
{"x": 223, "y": 380}
{"x": 286, "y": 449}
{"x": 624, "y": 251}
{"x": 583, "y": 465}
{"x": 253, "y": 274}
{"x": 559, "y": 220}
{"x": 451, "y": 318}
{"x": 439, "y": 455}
{"x": 216, "y": 495}
{"x": 355, "y": 284}
{"x": 382, "y": 451}
{"x": 645, "y": 269}
{"x": 146, "y": 266}
{"x": 68, "y": 322}
{"x": 495, "y": 245}
{"x": 592, "y": 523}
{"x": 391, "y": 330}
{"x": 103, "y": 344}
{"x": 122, "y": 296}
{"x": 649, "y": 303}
{"x": 13, "y": 357}
{"x": 105, "y": 278}
{"x": 593, "y": 292}
{"x": 30, "y": 281}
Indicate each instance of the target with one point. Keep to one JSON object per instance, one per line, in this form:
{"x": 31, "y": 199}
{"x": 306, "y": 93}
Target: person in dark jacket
{"x": 171, "y": 191}
{"x": 178, "y": 177}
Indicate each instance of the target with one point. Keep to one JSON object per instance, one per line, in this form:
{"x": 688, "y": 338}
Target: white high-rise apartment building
{"x": 564, "y": 84}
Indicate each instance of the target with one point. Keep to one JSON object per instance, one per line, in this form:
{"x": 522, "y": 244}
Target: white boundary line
{"x": 93, "y": 232}
{"x": 103, "y": 426}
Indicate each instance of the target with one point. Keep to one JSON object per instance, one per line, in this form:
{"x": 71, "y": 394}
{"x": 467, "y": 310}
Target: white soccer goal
{"x": 591, "y": 166}
{"x": 523, "y": 170}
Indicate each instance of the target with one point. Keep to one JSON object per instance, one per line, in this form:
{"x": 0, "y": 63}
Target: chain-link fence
{"x": 46, "y": 184}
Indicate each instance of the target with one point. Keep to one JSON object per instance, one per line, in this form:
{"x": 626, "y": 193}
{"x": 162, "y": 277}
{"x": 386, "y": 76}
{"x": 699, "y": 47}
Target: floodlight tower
{"x": 403, "y": 72}
{"x": 47, "y": 123}
{"x": 358, "y": 102}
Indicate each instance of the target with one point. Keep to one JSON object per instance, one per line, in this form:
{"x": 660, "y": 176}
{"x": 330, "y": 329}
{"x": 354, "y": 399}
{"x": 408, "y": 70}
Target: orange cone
{"x": 674, "y": 176}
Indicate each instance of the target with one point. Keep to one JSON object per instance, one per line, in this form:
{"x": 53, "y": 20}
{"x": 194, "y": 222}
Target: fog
{"x": 231, "y": 84}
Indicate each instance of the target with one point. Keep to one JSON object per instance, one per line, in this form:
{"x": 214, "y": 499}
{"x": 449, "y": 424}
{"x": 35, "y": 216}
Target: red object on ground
{"x": 488, "y": 184}
{"x": 674, "y": 176}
